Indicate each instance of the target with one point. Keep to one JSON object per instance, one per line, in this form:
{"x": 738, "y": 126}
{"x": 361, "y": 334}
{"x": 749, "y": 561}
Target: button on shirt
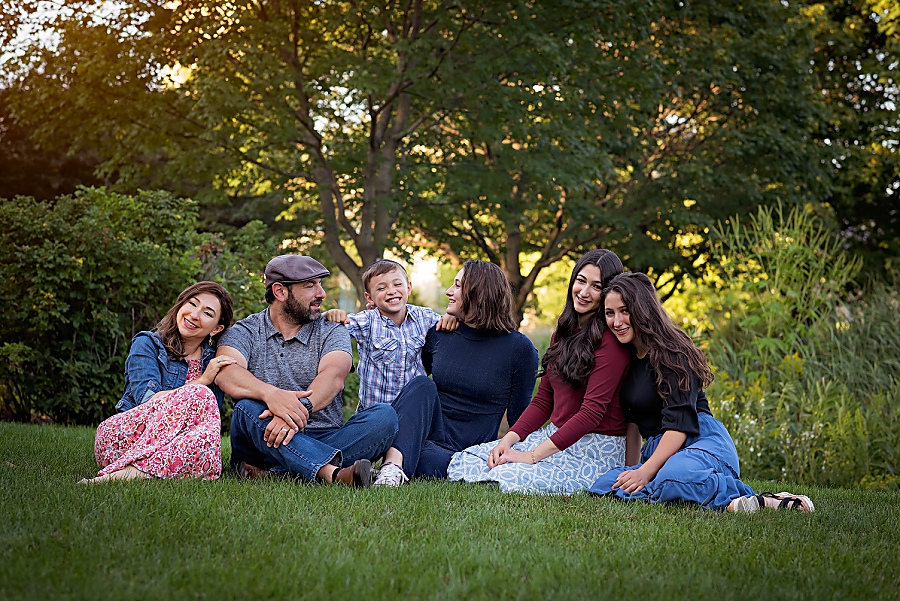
{"x": 290, "y": 364}
{"x": 389, "y": 355}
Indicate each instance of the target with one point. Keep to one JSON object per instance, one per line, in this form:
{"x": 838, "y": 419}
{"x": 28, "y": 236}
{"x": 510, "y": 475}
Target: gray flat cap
{"x": 293, "y": 268}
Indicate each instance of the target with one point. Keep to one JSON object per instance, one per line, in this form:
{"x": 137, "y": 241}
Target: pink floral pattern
{"x": 174, "y": 436}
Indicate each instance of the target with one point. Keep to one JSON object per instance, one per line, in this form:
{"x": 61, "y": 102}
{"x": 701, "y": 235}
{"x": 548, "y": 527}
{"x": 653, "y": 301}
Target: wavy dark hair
{"x": 486, "y": 298}
{"x": 167, "y": 328}
{"x": 571, "y": 355}
{"x": 671, "y": 350}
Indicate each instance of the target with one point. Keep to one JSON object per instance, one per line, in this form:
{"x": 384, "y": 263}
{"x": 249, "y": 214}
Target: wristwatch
{"x": 306, "y": 403}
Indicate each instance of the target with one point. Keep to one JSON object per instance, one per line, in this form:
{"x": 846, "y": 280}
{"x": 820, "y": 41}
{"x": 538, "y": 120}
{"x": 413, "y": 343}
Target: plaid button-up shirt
{"x": 389, "y": 355}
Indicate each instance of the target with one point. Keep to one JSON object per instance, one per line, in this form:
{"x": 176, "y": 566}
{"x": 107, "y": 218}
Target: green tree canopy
{"x": 633, "y": 129}
{"x": 856, "y": 61}
{"x": 517, "y": 131}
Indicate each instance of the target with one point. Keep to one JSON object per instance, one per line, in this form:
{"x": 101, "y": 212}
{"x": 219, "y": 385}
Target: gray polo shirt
{"x": 290, "y": 364}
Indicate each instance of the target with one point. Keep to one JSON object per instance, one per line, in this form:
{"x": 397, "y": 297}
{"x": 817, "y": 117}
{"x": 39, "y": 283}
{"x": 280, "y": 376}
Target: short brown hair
{"x": 486, "y": 302}
{"x": 381, "y": 267}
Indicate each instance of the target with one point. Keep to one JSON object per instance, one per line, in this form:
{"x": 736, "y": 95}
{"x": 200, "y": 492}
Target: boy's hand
{"x": 448, "y": 323}
{"x": 336, "y": 316}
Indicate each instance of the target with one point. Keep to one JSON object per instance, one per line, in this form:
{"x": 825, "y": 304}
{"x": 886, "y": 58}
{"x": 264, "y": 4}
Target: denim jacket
{"x": 149, "y": 370}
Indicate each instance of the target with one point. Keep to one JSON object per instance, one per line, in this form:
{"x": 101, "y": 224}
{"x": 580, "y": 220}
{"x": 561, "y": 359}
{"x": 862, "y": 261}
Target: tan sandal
{"x": 791, "y": 501}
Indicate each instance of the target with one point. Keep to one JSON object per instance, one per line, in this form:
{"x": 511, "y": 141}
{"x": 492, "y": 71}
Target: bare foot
{"x": 747, "y": 504}
{"x": 790, "y": 501}
{"x": 126, "y": 473}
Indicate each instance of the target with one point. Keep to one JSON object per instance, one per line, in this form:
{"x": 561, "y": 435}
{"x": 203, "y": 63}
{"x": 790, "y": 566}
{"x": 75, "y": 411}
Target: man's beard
{"x": 297, "y": 313}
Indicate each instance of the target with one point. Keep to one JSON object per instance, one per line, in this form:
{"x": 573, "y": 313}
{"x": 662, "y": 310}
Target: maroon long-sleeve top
{"x": 593, "y": 407}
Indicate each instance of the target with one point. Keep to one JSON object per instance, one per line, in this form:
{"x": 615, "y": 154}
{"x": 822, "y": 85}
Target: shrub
{"x": 780, "y": 279}
{"x": 80, "y": 275}
{"x": 808, "y": 377}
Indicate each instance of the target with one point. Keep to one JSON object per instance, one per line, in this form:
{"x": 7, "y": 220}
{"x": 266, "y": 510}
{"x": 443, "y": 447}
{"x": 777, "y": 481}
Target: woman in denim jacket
{"x": 170, "y": 421}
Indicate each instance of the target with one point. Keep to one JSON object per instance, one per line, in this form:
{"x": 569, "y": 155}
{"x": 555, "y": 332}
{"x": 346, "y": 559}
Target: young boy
{"x": 390, "y": 338}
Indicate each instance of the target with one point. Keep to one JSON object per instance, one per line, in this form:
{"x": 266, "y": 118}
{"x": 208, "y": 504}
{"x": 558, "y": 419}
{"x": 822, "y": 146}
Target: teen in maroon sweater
{"x": 579, "y": 393}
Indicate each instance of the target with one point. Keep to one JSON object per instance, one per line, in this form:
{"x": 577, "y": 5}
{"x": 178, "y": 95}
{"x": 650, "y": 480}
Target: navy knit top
{"x": 479, "y": 375}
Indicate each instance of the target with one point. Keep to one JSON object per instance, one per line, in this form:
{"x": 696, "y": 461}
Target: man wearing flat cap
{"x": 291, "y": 365}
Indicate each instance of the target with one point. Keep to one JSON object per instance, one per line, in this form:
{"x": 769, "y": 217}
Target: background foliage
{"x": 502, "y": 130}
{"x": 81, "y": 274}
{"x": 808, "y": 378}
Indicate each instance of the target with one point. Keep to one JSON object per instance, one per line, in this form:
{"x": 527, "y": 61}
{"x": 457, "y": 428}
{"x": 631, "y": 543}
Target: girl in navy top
{"x": 688, "y": 455}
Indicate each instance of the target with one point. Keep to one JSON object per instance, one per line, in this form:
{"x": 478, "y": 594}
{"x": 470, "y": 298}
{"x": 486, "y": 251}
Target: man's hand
{"x": 286, "y": 405}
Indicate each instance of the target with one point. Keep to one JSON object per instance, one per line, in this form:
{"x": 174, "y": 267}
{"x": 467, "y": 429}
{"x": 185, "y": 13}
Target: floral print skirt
{"x": 174, "y": 436}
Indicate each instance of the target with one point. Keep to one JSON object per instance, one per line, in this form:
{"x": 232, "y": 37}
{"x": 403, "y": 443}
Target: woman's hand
{"x": 631, "y": 481}
{"x": 513, "y": 456}
{"x": 503, "y": 447}
{"x": 212, "y": 370}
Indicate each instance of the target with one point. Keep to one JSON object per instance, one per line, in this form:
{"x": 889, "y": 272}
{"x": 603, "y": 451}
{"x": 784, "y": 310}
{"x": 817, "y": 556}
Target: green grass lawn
{"x": 233, "y": 539}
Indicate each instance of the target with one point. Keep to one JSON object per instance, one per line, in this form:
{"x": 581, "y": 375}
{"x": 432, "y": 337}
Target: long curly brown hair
{"x": 167, "y": 328}
{"x": 671, "y": 350}
{"x": 571, "y": 355}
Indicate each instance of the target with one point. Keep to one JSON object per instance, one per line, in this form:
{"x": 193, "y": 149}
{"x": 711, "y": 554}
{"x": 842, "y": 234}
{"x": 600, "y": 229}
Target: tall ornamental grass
{"x": 806, "y": 373}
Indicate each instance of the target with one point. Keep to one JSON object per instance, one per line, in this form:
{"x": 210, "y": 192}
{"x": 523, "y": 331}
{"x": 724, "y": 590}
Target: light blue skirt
{"x": 565, "y": 472}
{"x": 705, "y": 471}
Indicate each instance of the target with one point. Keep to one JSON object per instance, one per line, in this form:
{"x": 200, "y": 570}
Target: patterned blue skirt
{"x": 565, "y": 472}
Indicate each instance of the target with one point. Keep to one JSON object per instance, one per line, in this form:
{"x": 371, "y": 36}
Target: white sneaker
{"x": 390, "y": 474}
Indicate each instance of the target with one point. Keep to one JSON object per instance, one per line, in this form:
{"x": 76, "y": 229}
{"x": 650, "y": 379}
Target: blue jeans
{"x": 705, "y": 470}
{"x": 421, "y": 437}
{"x": 366, "y": 435}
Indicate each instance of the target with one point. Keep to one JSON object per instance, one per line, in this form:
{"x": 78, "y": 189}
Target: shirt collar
{"x": 387, "y": 321}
